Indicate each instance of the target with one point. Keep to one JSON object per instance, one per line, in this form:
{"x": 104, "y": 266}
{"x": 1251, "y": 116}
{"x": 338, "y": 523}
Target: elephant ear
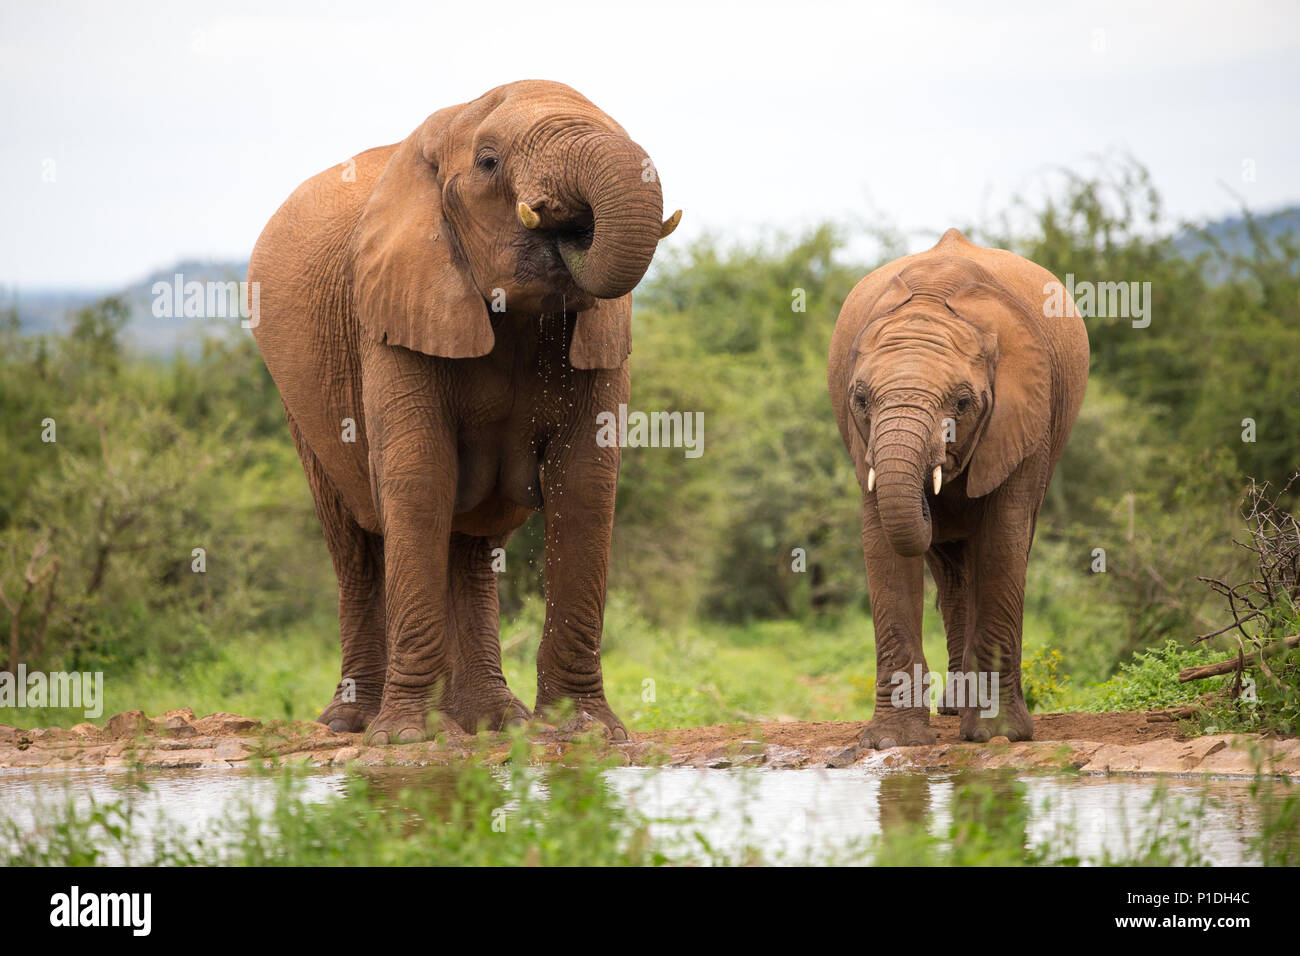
{"x": 603, "y": 336}
{"x": 896, "y": 293}
{"x": 410, "y": 284}
{"x": 1021, "y": 415}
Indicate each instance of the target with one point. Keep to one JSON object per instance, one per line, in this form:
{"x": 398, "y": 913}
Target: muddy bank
{"x": 1123, "y": 743}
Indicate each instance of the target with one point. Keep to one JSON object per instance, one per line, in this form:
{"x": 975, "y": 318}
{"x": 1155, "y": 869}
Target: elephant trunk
{"x": 900, "y": 453}
{"x": 626, "y": 208}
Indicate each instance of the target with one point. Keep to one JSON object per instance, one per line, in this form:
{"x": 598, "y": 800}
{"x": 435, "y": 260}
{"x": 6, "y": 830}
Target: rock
{"x": 225, "y": 725}
{"x": 128, "y": 724}
{"x": 231, "y": 750}
{"x": 1235, "y": 756}
{"x": 178, "y": 739}
{"x": 1195, "y": 751}
{"x": 182, "y": 760}
{"x": 344, "y": 754}
{"x": 177, "y": 725}
{"x": 845, "y": 758}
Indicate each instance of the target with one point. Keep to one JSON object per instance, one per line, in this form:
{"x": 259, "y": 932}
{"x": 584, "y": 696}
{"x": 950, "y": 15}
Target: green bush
{"x": 1150, "y": 680}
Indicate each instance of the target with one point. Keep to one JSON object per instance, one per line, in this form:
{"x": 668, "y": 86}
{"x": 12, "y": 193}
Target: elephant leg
{"x": 991, "y": 665}
{"x": 358, "y": 558}
{"x": 477, "y": 697}
{"x": 414, "y": 474}
{"x": 896, "y": 585}
{"x": 415, "y": 511}
{"x": 947, "y": 563}
{"x": 579, "y": 480}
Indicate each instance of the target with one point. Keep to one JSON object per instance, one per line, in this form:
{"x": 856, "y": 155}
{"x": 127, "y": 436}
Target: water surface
{"x": 797, "y": 816}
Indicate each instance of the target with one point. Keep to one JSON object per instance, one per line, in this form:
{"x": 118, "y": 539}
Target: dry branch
{"x": 1227, "y": 667}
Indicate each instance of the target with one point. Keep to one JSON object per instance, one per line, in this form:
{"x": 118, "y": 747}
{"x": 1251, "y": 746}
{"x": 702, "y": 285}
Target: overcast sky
{"x": 177, "y": 132}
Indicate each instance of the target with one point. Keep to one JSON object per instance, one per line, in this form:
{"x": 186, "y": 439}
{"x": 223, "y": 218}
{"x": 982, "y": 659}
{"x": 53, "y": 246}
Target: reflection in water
{"x": 904, "y": 801}
{"x": 791, "y": 815}
{"x": 981, "y": 817}
{"x": 990, "y": 815}
{"x": 905, "y": 810}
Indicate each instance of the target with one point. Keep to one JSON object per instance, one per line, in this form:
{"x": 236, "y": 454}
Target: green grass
{"x": 656, "y": 676}
{"x": 702, "y": 674}
{"x": 707, "y": 673}
{"x": 287, "y": 675}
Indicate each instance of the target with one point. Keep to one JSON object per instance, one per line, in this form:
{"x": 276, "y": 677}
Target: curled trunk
{"x": 626, "y": 209}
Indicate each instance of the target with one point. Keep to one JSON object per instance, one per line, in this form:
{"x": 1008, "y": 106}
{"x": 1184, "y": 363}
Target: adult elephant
{"x": 954, "y": 394}
{"x": 444, "y": 319}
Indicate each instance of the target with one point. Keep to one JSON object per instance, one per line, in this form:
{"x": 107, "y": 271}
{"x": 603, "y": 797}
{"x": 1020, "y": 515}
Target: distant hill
{"x": 1233, "y": 237}
{"x": 46, "y": 310}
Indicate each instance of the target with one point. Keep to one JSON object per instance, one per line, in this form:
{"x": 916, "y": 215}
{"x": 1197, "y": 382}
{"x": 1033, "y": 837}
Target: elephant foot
{"x": 405, "y": 725}
{"x": 899, "y": 727}
{"x": 1011, "y": 721}
{"x": 588, "y": 714}
{"x": 348, "y": 718}
{"x": 489, "y": 712}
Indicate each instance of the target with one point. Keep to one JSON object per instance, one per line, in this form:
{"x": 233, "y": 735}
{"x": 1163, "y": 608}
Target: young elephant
{"x": 445, "y": 318}
{"x": 954, "y": 395}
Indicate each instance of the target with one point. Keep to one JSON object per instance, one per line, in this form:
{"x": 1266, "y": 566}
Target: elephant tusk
{"x": 871, "y": 479}
{"x": 938, "y": 478}
{"x": 670, "y": 224}
{"x": 529, "y": 218}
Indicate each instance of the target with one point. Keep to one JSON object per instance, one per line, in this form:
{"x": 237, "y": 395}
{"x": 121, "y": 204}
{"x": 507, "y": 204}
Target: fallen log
{"x": 1173, "y": 713}
{"x": 1227, "y": 667}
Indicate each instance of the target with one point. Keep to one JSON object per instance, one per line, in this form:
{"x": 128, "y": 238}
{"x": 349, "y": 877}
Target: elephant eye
{"x": 963, "y": 404}
{"x": 488, "y": 163}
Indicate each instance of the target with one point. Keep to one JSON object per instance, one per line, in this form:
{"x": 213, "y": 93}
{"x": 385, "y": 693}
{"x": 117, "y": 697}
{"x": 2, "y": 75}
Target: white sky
{"x": 177, "y": 131}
